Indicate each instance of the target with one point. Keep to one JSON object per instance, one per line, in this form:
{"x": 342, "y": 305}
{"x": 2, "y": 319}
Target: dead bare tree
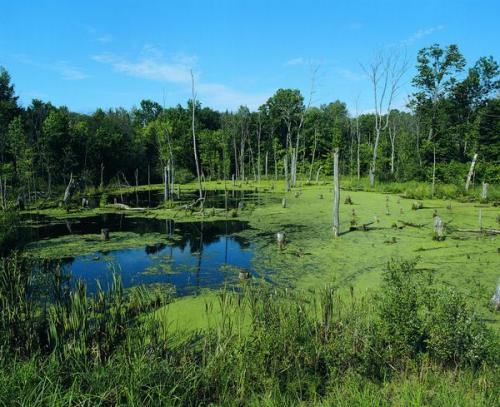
{"x": 198, "y": 172}
{"x": 358, "y": 141}
{"x": 336, "y": 193}
{"x": 392, "y": 137}
{"x": 313, "y": 153}
{"x": 471, "y": 171}
{"x": 295, "y": 158}
{"x": 385, "y": 74}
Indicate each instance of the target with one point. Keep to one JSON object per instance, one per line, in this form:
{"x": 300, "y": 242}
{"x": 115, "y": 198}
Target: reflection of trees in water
{"x": 194, "y": 234}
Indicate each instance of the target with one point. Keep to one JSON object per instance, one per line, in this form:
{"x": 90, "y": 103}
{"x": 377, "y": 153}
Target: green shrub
{"x": 183, "y": 176}
{"x": 417, "y": 319}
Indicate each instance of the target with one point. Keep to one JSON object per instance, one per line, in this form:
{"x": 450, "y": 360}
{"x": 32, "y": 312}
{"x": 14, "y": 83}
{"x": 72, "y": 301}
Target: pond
{"x": 188, "y": 255}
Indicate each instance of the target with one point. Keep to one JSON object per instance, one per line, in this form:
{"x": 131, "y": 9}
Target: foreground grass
{"x": 411, "y": 344}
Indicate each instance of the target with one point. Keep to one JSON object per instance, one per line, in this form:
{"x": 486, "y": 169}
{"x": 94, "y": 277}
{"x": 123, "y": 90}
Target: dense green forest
{"x": 453, "y": 114}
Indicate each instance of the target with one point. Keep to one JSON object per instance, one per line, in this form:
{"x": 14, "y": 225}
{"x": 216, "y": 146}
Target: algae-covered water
{"x": 312, "y": 257}
{"x": 186, "y": 255}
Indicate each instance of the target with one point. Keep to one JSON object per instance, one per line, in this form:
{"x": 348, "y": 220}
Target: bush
{"x": 417, "y": 319}
{"x": 183, "y": 176}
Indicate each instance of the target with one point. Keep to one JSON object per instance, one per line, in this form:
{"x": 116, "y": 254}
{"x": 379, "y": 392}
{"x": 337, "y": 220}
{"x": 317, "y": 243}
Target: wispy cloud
{"x": 151, "y": 65}
{"x": 69, "y": 72}
{"x": 105, "y": 39}
{"x": 176, "y": 69}
{"x": 295, "y": 61}
{"x": 421, "y": 34}
{"x": 66, "y": 70}
{"x": 97, "y": 35}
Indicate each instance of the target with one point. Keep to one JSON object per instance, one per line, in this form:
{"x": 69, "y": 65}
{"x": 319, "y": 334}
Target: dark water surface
{"x": 213, "y": 198}
{"x": 196, "y": 255}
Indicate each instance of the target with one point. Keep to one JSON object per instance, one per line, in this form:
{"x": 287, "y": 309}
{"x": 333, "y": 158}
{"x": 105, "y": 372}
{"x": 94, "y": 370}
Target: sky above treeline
{"x": 90, "y": 54}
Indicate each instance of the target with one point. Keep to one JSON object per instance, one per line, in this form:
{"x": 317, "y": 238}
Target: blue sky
{"x": 89, "y": 54}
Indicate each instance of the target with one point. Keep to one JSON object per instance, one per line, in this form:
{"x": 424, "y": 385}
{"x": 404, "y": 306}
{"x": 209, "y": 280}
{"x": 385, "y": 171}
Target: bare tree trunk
{"x": 136, "y": 175}
{"x": 258, "y": 148}
{"x": 471, "y": 171}
{"x": 149, "y": 184}
{"x": 275, "y": 165}
{"x": 317, "y": 174}
{"x": 165, "y": 184}
{"x": 102, "y": 176}
{"x": 484, "y": 192}
{"x": 69, "y": 189}
{"x": 287, "y": 184}
{"x": 392, "y": 137}
{"x": 194, "y": 140}
{"x": 313, "y": 154}
{"x": 358, "y": 136}
{"x": 433, "y": 171}
{"x": 266, "y": 163}
{"x": 235, "y": 157}
{"x": 293, "y": 167}
{"x": 49, "y": 182}
{"x": 336, "y": 191}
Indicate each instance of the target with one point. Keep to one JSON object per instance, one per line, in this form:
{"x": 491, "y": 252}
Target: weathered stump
{"x": 105, "y": 234}
{"x": 495, "y": 300}
{"x": 280, "y": 240}
{"x": 244, "y": 274}
{"x": 484, "y": 191}
{"x": 438, "y": 229}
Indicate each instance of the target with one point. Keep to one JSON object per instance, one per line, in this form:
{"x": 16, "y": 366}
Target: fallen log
{"x": 413, "y": 225}
{"x": 125, "y": 207}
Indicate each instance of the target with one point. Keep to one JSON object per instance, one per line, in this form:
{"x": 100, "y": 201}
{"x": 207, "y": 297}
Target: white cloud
{"x": 69, "y": 72}
{"x": 224, "y": 97}
{"x": 65, "y": 69}
{"x": 151, "y": 66}
{"x": 296, "y": 61}
{"x": 420, "y": 34}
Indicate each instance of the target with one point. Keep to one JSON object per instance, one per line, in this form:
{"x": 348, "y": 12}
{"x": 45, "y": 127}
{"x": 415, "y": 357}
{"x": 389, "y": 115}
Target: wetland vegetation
{"x": 186, "y": 256}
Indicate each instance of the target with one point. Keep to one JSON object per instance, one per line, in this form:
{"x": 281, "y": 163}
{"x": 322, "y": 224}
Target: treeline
{"x": 454, "y": 115}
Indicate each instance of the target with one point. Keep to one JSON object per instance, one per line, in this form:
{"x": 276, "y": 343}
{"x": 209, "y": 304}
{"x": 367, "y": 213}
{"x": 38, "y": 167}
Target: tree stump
{"x": 244, "y": 274}
{"x": 283, "y": 202}
{"x": 495, "y": 300}
{"x": 280, "y": 239}
{"x": 438, "y": 229}
{"x": 105, "y": 234}
{"x": 484, "y": 191}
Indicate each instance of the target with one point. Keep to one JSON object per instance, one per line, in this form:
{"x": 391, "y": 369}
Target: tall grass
{"x": 412, "y": 344}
